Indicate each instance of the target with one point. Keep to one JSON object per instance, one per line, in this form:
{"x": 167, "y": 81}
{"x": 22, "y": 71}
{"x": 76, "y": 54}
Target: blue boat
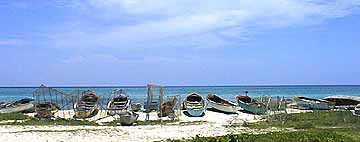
{"x": 195, "y": 105}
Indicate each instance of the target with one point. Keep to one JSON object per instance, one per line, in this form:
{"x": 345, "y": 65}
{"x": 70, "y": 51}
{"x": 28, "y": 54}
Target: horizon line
{"x": 138, "y": 86}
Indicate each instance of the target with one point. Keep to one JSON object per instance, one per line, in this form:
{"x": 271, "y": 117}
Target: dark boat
{"x": 347, "y": 102}
{"x": 45, "y": 110}
{"x": 168, "y": 108}
{"x": 219, "y": 104}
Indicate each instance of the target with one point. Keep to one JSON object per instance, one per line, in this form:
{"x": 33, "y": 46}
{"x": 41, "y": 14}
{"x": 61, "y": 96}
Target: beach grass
{"x": 316, "y": 119}
{"x": 310, "y": 135}
{"x": 22, "y": 119}
{"x": 317, "y": 126}
{"x": 12, "y": 116}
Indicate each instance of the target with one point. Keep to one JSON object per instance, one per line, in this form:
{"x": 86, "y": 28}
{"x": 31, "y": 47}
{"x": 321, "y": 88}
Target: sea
{"x": 138, "y": 94}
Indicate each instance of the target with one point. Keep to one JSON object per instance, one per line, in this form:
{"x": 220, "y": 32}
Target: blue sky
{"x": 179, "y": 42}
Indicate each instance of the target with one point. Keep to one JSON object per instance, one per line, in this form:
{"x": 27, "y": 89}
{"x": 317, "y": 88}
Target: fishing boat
{"x": 306, "y": 103}
{"x": 195, "y": 105}
{"x": 251, "y": 105}
{"x": 45, "y": 110}
{"x": 17, "y": 106}
{"x": 341, "y": 101}
{"x": 119, "y": 103}
{"x": 217, "y": 103}
{"x": 87, "y": 106}
{"x": 168, "y": 108}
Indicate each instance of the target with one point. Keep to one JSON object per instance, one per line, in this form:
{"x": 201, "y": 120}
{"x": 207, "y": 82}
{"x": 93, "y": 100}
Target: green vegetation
{"x": 295, "y": 136}
{"x": 12, "y": 116}
{"x": 21, "y": 119}
{"x": 317, "y": 119}
{"x": 318, "y": 126}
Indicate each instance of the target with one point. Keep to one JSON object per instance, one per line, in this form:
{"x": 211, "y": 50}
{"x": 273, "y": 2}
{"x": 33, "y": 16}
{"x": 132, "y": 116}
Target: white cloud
{"x": 180, "y": 19}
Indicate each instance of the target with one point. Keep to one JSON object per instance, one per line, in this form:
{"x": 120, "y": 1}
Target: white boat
{"x": 17, "y": 106}
{"x": 219, "y": 104}
{"x": 87, "y": 106}
{"x": 119, "y": 103}
{"x": 195, "y": 105}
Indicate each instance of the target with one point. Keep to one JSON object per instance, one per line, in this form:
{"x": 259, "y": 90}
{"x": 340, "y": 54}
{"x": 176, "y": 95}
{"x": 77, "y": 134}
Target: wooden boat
{"x": 311, "y": 103}
{"x": 45, "y": 110}
{"x": 250, "y": 105}
{"x": 87, "y": 106}
{"x": 119, "y": 104}
{"x": 195, "y": 105}
{"x": 168, "y": 108}
{"x": 219, "y": 104}
{"x": 341, "y": 101}
{"x": 17, "y": 106}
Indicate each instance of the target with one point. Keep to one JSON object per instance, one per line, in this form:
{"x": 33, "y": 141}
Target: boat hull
{"x": 85, "y": 113}
{"x": 128, "y": 118}
{"x": 17, "y": 108}
{"x": 252, "y": 109}
{"x": 196, "y": 112}
{"x": 313, "y": 106}
{"x": 87, "y": 106}
{"x": 195, "y": 105}
{"x": 223, "y": 108}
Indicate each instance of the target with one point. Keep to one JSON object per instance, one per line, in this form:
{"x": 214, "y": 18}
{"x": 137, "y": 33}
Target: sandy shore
{"x": 215, "y": 124}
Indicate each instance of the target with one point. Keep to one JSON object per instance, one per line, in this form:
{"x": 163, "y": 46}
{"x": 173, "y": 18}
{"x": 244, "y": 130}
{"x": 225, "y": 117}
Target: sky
{"x": 179, "y": 42}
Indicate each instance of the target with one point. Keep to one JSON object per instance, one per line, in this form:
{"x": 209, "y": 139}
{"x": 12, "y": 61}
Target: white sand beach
{"x": 212, "y": 124}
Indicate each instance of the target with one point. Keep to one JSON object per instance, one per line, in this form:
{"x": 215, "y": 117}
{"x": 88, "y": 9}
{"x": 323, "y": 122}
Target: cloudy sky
{"x": 179, "y": 42}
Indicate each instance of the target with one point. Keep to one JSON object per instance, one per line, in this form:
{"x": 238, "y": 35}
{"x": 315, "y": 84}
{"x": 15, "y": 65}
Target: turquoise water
{"x": 138, "y": 94}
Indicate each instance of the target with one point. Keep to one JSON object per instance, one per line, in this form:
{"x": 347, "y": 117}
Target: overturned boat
{"x": 128, "y": 118}
{"x": 306, "y": 103}
{"x": 195, "y": 105}
{"x": 119, "y": 103}
{"x": 341, "y": 101}
{"x": 17, "y": 106}
{"x": 87, "y": 106}
{"x": 219, "y": 104}
{"x": 251, "y": 105}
